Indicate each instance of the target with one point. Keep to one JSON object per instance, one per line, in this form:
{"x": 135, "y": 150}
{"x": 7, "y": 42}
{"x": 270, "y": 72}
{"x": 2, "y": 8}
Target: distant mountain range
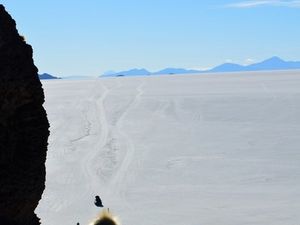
{"x": 174, "y": 71}
{"x": 274, "y": 63}
{"x": 45, "y": 76}
{"x": 132, "y": 72}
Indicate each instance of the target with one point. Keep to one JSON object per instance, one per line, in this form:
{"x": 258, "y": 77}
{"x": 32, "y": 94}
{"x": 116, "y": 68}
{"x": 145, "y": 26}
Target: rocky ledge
{"x": 24, "y": 128}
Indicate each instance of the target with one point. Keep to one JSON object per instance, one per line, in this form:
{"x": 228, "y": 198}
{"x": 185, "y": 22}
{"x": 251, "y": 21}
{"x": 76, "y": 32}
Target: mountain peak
{"x": 274, "y": 59}
{"x": 47, "y": 76}
{"x": 131, "y": 72}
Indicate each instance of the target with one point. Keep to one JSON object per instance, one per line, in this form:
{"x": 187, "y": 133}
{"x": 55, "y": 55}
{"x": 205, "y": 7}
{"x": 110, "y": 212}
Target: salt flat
{"x": 219, "y": 149}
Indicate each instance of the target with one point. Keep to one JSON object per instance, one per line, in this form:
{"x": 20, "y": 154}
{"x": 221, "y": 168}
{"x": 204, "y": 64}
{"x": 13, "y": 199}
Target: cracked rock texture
{"x": 23, "y": 128}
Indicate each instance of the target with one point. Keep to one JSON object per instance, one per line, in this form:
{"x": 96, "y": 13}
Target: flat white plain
{"x": 218, "y": 149}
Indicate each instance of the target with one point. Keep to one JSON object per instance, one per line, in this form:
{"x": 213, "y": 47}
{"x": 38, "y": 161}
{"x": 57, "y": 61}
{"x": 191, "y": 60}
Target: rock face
{"x": 23, "y": 128}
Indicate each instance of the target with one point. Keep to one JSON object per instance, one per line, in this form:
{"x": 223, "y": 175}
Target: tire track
{"x": 100, "y": 127}
{"x": 120, "y": 175}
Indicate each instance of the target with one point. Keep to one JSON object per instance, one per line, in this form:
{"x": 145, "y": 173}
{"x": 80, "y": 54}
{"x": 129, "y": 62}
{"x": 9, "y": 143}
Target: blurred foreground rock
{"x": 23, "y": 128}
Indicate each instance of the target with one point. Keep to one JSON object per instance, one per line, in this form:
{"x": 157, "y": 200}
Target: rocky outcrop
{"x": 23, "y": 128}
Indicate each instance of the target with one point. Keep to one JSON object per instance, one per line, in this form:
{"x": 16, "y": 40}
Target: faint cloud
{"x": 250, "y": 4}
{"x": 248, "y": 61}
{"x": 257, "y": 3}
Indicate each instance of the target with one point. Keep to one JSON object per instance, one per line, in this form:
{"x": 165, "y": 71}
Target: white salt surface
{"x": 219, "y": 149}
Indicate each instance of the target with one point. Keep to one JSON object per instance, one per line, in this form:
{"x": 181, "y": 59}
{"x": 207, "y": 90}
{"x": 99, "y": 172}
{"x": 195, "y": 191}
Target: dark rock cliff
{"x": 23, "y": 128}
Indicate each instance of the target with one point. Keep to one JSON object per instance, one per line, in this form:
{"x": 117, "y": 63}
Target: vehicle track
{"x": 120, "y": 175}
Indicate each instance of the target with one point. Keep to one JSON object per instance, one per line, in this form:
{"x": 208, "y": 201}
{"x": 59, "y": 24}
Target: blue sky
{"x": 76, "y": 37}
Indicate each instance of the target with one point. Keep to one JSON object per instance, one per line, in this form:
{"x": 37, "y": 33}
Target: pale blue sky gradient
{"x": 76, "y": 37}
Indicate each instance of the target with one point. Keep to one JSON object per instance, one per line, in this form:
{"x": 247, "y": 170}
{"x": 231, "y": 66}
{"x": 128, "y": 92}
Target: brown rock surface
{"x": 23, "y": 128}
